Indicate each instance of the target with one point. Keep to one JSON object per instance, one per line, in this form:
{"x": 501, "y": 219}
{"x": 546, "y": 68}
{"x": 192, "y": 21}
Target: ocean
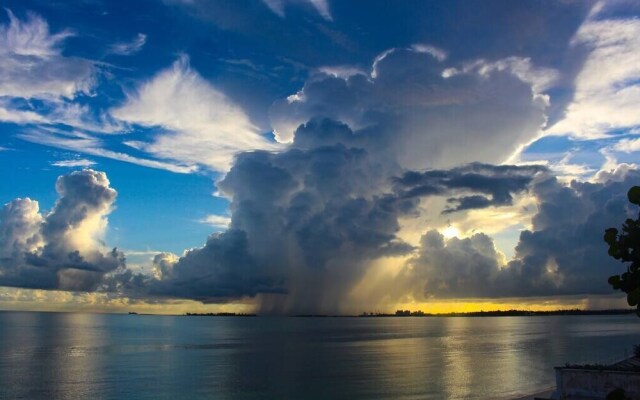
{"x": 107, "y": 356}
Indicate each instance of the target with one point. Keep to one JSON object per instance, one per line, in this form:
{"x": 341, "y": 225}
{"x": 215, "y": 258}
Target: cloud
{"x": 562, "y": 254}
{"x": 277, "y": 6}
{"x": 607, "y": 91}
{"x": 408, "y": 111}
{"x": 438, "y": 53}
{"x": 202, "y": 125}
{"x": 39, "y": 83}
{"x": 627, "y": 145}
{"x": 221, "y": 270}
{"x": 453, "y": 268}
{"x": 321, "y": 6}
{"x": 61, "y": 249}
{"x": 340, "y": 71}
{"x": 7, "y": 114}
{"x": 305, "y": 221}
{"x": 217, "y": 221}
{"x": 163, "y": 264}
{"x": 81, "y": 142}
{"x": 129, "y": 48}
{"x": 32, "y": 64}
{"x": 74, "y": 163}
{"x": 540, "y": 79}
{"x": 499, "y": 182}
{"x": 308, "y": 222}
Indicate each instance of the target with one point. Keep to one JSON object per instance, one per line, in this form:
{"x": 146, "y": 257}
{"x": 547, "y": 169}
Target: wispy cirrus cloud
{"x": 85, "y": 143}
{"x": 32, "y": 64}
{"x": 199, "y": 124}
{"x": 81, "y": 162}
{"x": 607, "y": 88}
{"x": 39, "y": 83}
{"x": 129, "y": 48}
{"x": 278, "y": 7}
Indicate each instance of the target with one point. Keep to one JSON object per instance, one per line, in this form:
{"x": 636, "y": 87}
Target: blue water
{"x": 93, "y": 356}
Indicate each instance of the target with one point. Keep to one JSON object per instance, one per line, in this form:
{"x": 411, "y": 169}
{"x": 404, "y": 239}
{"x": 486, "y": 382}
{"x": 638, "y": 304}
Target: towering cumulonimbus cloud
{"x": 61, "y": 249}
{"x": 307, "y": 223}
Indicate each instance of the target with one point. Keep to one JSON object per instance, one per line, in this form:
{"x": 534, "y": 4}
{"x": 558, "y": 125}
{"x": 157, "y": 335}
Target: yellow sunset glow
{"x": 450, "y": 231}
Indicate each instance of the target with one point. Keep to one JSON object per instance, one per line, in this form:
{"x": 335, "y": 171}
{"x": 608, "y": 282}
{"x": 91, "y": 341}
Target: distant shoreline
{"x": 406, "y": 313}
{"x": 508, "y": 313}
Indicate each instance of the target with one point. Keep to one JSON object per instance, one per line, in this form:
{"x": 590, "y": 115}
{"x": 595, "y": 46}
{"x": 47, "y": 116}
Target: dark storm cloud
{"x": 222, "y": 269}
{"x": 307, "y": 222}
{"x": 563, "y": 254}
{"x": 59, "y": 250}
{"x": 499, "y": 182}
{"x": 304, "y": 221}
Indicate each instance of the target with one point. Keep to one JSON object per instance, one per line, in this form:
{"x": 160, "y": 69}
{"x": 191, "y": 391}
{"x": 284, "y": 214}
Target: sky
{"x": 315, "y": 156}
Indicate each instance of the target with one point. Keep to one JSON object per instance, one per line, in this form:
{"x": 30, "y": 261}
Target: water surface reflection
{"x": 79, "y": 356}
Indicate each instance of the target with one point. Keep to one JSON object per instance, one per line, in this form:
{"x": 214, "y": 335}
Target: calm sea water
{"x": 91, "y": 356}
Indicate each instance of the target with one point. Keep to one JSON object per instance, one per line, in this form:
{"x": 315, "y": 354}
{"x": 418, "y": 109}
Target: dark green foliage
{"x": 625, "y": 246}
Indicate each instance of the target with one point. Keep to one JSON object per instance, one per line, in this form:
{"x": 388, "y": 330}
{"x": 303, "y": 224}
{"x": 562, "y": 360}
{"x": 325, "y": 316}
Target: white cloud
{"x": 321, "y": 6}
{"x": 64, "y": 248}
{"x": 217, "y": 221}
{"x": 60, "y": 112}
{"x": 128, "y": 48}
{"x": 608, "y": 86}
{"x": 18, "y": 116}
{"x": 560, "y": 164}
{"x": 341, "y": 71}
{"x": 566, "y": 171}
{"x": 420, "y": 118}
{"x": 627, "y": 145}
{"x": 87, "y": 144}
{"x": 611, "y": 169}
{"x": 378, "y": 59}
{"x": 438, "y": 53}
{"x": 540, "y": 78}
{"x": 277, "y": 6}
{"x": 203, "y": 126}
{"x": 74, "y": 163}
{"x": 163, "y": 263}
{"x": 32, "y": 64}
{"x": 19, "y": 227}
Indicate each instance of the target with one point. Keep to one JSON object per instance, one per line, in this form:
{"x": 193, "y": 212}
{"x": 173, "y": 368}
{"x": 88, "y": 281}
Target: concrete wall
{"x": 595, "y": 384}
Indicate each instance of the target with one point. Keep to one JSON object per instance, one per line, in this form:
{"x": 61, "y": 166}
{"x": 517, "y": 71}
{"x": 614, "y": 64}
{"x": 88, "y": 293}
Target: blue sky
{"x": 241, "y": 120}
